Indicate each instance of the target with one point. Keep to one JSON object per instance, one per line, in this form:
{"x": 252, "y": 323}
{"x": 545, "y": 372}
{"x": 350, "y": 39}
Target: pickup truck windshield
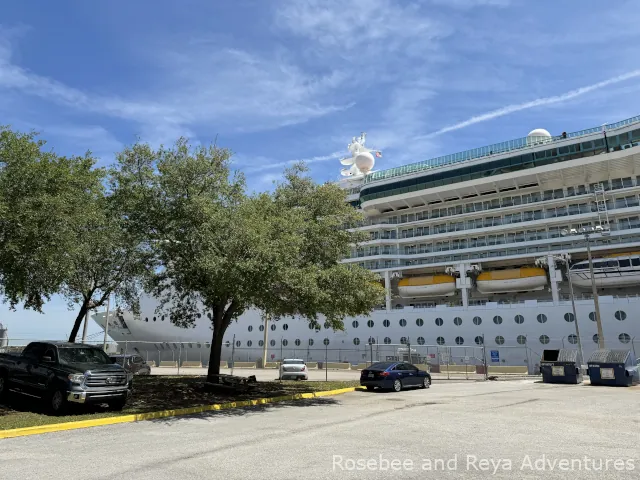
{"x": 70, "y": 355}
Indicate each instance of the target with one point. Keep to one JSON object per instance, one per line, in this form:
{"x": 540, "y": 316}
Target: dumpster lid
{"x": 560, "y": 355}
{"x": 609, "y": 356}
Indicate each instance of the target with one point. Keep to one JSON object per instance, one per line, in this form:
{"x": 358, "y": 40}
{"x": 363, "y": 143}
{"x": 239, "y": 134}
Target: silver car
{"x": 293, "y": 368}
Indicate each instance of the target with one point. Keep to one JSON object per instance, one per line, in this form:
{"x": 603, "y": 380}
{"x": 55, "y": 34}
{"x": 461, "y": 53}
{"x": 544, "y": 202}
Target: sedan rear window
{"x": 381, "y": 365}
{"x": 293, "y": 362}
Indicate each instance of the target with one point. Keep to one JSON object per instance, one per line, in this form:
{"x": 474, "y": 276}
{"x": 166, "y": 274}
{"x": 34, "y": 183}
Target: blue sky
{"x": 285, "y": 80}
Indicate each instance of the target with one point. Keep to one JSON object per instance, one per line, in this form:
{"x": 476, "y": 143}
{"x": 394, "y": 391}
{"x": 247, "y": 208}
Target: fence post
{"x": 179, "y": 356}
{"x": 233, "y": 351}
{"x": 409, "y": 349}
{"x": 484, "y": 358}
{"x": 326, "y": 371}
{"x": 371, "y": 352}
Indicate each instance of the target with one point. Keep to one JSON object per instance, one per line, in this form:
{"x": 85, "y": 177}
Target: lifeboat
{"x": 427, "y": 286}
{"x": 524, "y": 279}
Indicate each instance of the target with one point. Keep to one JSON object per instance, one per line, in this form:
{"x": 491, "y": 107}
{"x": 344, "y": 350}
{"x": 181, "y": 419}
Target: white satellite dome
{"x": 539, "y": 135}
{"x": 365, "y": 162}
{"x": 539, "y": 132}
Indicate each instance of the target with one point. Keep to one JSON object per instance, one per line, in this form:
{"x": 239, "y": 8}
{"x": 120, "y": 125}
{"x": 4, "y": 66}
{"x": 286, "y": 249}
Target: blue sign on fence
{"x": 495, "y": 355}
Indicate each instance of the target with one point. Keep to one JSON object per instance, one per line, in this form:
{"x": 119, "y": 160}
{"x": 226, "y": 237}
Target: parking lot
{"x": 514, "y": 429}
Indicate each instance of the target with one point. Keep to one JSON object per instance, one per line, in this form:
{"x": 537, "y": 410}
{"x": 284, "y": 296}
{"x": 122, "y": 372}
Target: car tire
{"x": 426, "y": 382}
{"x": 397, "y": 385}
{"x": 370, "y": 388}
{"x": 57, "y": 401}
{"x": 117, "y": 405}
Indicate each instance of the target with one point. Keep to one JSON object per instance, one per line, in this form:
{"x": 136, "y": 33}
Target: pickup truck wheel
{"x": 57, "y": 402}
{"x": 117, "y": 405}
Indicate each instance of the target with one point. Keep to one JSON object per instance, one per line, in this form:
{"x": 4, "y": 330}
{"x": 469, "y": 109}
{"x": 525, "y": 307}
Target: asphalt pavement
{"x": 509, "y": 430}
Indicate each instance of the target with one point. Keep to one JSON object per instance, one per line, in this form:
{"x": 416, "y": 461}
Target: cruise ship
{"x": 483, "y": 255}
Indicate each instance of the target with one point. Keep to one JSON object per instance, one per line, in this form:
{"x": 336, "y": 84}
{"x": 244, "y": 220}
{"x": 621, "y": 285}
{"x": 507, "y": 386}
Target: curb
{"x": 58, "y": 427}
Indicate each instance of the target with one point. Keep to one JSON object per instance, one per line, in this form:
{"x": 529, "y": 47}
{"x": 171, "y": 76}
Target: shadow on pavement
{"x": 241, "y": 411}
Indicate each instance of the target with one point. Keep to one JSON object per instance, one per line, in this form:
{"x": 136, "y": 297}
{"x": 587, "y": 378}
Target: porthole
{"x": 624, "y": 338}
{"x": 311, "y": 325}
{"x": 227, "y": 343}
{"x": 592, "y": 316}
{"x": 477, "y": 321}
{"x": 273, "y": 327}
{"x": 542, "y": 318}
{"x": 154, "y": 319}
{"x": 544, "y": 339}
{"x": 285, "y": 342}
{"x": 497, "y": 319}
{"x": 326, "y": 341}
{"x": 272, "y": 343}
{"x": 261, "y": 328}
{"x": 457, "y": 321}
{"x": 355, "y": 324}
{"x": 250, "y": 328}
{"x": 519, "y": 319}
{"x": 420, "y": 340}
{"x": 573, "y": 339}
{"x": 162, "y": 318}
{"x": 568, "y": 317}
{"x": 419, "y": 322}
{"x": 439, "y": 322}
{"x": 199, "y": 315}
{"x": 370, "y": 323}
{"x": 297, "y": 342}
{"x": 356, "y": 341}
{"x": 522, "y": 340}
{"x": 478, "y": 340}
{"x": 285, "y": 326}
{"x": 371, "y": 341}
{"x": 620, "y": 315}
{"x": 387, "y": 341}
{"x": 440, "y": 340}
{"x": 249, "y": 343}
{"x": 595, "y": 338}
{"x": 403, "y": 340}
{"x": 499, "y": 340}
{"x": 260, "y": 343}
{"x": 327, "y": 325}
{"x": 403, "y": 322}
{"x": 146, "y": 319}
{"x": 459, "y": 341}
{"x": 386, "y": 323}
{"x": 311, "y": 342}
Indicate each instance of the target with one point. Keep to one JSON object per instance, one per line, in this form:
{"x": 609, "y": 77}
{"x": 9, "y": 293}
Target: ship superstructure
{"x": 473, "y": 250}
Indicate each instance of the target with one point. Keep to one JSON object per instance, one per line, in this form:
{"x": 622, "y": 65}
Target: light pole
{"x": 106, "y": 325}
{"x": 586, "y": 232}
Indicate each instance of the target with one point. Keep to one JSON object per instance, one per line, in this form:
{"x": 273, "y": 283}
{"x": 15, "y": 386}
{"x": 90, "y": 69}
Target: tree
{"x": 108, "y": 260}
{"x": 43, "y": 198}
{"x": 231, "y": 252}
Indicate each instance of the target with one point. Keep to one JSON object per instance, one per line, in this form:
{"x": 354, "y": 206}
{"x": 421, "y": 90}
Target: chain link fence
{"x": 452, "y": 360}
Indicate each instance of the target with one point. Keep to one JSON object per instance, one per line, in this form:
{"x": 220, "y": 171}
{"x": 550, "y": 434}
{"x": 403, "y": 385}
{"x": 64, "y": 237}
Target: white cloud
{"x": 535, "y": 103}
{"x": 201, "y": 86}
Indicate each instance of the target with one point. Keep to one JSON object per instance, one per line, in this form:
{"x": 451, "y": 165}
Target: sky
{"x": 278, "y": 81}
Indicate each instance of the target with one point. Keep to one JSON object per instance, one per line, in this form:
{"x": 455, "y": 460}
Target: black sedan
{"x": 395, "y": 376}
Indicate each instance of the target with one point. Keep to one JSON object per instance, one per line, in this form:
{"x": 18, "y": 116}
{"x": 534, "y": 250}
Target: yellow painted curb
{"x": 58, "y": 427}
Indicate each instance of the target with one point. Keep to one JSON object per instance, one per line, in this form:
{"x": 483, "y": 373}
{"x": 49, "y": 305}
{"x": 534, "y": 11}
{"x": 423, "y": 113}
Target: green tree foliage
{"x": 109, "y": 260}
{"x": 225, "y": 252}
{"x": 43, "y": 200}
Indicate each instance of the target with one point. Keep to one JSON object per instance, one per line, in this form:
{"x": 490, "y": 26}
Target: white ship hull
{"x": 160, "y": 340}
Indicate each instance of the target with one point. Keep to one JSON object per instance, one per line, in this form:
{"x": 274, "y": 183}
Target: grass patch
{"x": 154, "y": 393}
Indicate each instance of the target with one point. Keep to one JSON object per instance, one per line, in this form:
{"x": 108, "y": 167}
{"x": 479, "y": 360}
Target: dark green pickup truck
{"x": 58, "y": 373}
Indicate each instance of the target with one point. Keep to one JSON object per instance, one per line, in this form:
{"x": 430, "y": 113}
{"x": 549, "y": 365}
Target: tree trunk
{"x": 216, "y": 351}
{"x": 78, "y": 322}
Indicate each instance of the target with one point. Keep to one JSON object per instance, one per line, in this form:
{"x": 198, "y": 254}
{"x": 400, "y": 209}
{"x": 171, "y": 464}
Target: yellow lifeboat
{"x": 427, "y": 286}
{"x": 524, "y": 279}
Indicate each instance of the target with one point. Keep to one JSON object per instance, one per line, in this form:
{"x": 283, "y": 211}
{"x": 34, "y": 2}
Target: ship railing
{"x": 518, "y": 144}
